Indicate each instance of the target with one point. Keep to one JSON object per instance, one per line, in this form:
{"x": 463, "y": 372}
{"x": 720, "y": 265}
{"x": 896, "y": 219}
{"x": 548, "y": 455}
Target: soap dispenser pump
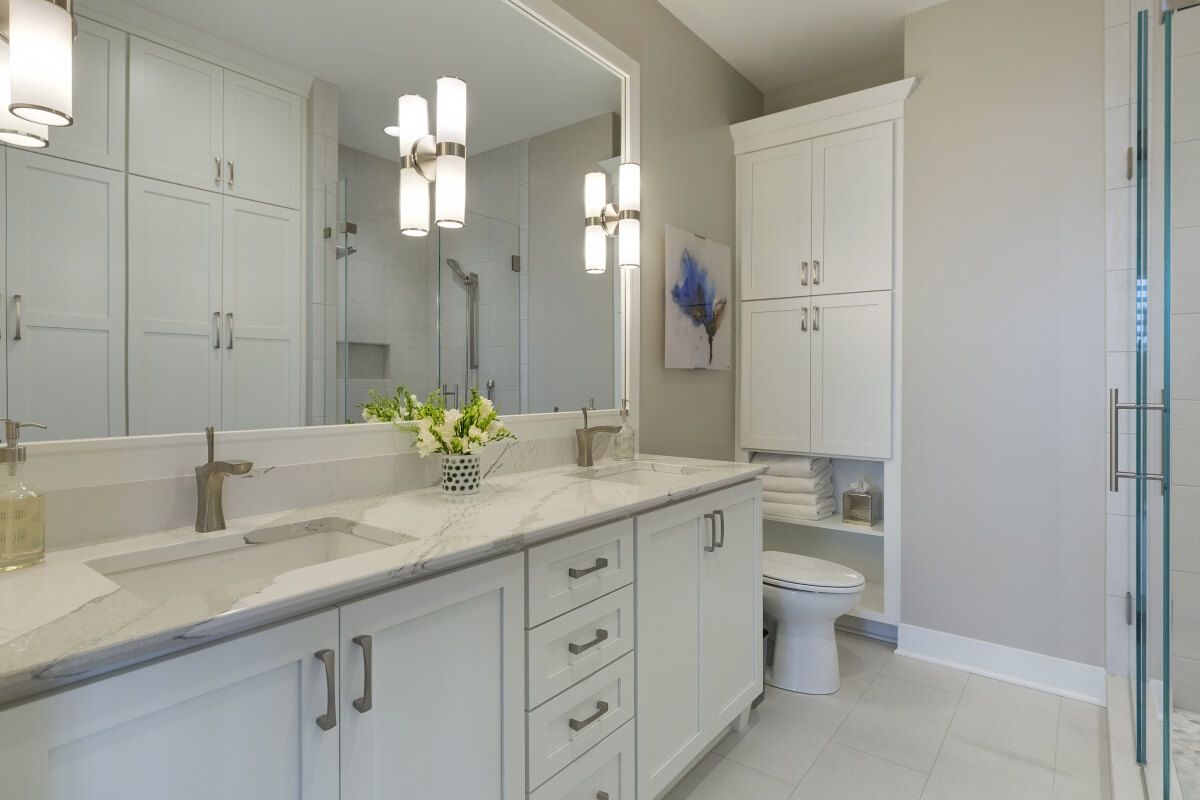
{"x": 623, "y": 445}
{"x": 22, "y": 507}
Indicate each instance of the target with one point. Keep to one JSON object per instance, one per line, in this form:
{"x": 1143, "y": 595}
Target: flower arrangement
{"x": 437, "y": 429}
{"x": 396, "y": 408}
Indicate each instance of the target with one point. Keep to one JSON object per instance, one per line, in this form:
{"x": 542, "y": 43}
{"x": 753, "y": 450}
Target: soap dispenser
{"x": 623, "y": 448}
{"x": 22, "y": 508}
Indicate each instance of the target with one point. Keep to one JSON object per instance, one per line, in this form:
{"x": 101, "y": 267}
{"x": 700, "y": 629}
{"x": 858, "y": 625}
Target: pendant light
{"x": 40, "y": 37}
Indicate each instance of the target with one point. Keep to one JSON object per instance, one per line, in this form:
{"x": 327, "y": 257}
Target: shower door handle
{"x": 1115, "y": 473}
{"x": 473, "y": 324}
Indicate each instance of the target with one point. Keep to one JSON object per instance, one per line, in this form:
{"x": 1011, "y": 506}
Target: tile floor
{"x": 1185, "y": 748}
{"x": 906, "y": 730}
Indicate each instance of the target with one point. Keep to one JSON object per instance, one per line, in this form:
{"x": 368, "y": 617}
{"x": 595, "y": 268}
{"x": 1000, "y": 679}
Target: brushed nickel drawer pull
{"x": 721, "y": 516}
{"x": 363, "y": 704}
{"x": 804, "y": 273}
{"x": 712, "y": 520}
{"x": 601, "y": 710}
{"x": 601, "y": 563}
{"x": 816, "y": 273}
{"x": 576, "y": 649}
{"x": 328, "y": 720}
{"x": 217, "y": 330}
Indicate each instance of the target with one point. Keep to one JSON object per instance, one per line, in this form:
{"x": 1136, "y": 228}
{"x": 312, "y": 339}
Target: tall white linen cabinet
{"x": 819, "y": 245}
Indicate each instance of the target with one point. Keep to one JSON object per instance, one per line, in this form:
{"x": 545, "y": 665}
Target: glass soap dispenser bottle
{"x": 22, "y": 508}
{"x": 623, "y": 444}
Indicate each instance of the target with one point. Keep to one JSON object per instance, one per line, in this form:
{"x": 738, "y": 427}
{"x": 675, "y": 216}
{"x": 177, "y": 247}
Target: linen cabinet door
{"x": 174, "y": 308}
{"x": 733, "y": 599}
{"x": 175, "y": 110}
{"x": 852, "y": 375}
{"x": 774, "y": 399}
{"x": 260, "y": 335}
{"x": 442, "y": 716}
{"x": 97, "y": 136}
{"x": 262, "y": 142}
{"x": 672, "y": 693}
{"x": 66, "y": 296}
{"x": 236, "y": 721}
{"x": 852, "y": 221}
{"x": 776, "y": 220}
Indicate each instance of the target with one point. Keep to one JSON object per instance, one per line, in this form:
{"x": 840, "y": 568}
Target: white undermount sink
{"x": 640, "y": 473}
{"x": 206, "y": 565}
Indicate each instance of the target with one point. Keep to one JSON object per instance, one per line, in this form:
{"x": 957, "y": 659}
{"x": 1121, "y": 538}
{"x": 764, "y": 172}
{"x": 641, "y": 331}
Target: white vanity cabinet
{"x": 699, "y": 627}
{"x": 236, "y": 720}
{"x": 194, "y": 123}
{"x": 441, "y": 715}
{"x": 214, "y": 311}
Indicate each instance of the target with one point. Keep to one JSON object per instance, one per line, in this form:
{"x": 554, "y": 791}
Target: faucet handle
{"x": 209, "y": 435}
{"x": 585, "y": 418}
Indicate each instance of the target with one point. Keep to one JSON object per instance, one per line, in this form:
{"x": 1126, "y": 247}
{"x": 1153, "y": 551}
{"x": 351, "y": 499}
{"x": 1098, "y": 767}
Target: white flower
{"x": 426, "y": 444}
{"x": 474, "y": 433}
{"x": 424, "y": 424}
{"x": 415, "y": 401}
{"x": 453, "y": 415}
{"x": 369, "y": 417}
{"x": 493, "y": 428}
{"x": 485, "y": 407}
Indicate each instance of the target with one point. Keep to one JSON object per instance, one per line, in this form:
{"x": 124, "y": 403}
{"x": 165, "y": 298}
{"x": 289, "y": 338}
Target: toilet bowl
{"x": 803, "y": 596}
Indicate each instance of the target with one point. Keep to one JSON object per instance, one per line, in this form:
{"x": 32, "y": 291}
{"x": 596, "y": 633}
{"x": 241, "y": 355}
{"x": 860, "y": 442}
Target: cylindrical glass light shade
{"x": 630, "y": 187}
{"x": 412, "y": 121}
{"x": 595, "y": 250}
{"x": 40, "y": 33}
{"x": 414, "y": 203}
{"x": 13, "y": 129}
{"x": 595, "y": 242}
{"x": 595, "y": 193}
{"x": 629, "y": 231}
{"x": 450, "y": 190}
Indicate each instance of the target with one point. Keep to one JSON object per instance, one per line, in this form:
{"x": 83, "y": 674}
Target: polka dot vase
{"x": 460, "y": 474}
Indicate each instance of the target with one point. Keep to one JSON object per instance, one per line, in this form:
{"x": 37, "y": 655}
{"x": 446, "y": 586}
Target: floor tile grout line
{"x": 724, "y": 757}
{"x": 961, "y": 693}
{"x": 1057, "y": 740}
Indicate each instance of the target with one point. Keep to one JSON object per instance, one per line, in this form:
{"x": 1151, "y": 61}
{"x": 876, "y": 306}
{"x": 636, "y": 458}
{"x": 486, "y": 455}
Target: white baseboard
{"x": 1022, "y": 667}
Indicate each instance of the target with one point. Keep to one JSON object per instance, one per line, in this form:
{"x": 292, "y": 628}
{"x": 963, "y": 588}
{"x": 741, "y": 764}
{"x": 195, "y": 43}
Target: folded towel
{"x": 799, "y": 498}
{"x": 791, "y": 466}
{"x": 780, "y": 483}
{"x": 787, "y": 511}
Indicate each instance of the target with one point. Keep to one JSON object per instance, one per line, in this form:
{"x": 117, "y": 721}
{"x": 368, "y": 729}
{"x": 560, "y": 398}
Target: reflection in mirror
{"x": 236, "y": 258}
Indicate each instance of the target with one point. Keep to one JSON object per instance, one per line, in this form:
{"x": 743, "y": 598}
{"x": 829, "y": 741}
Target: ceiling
{"x": 777, "y": 43}
{"x": 522, "y": 79}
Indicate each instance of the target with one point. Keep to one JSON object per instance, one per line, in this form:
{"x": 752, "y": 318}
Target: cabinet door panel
{"x": 852, "y": 375}
{"x": 72, "y": 296}
{"x": 673, "y": 708}
{"x": 852, "y": 222}
{"x": 262, "y": 142}
{"x": 447, "y": 716}
{"x": 261, "y": 344}
{"x": 236, "y": 721}
{"x": 733, "y": 598}
{"x": 175, "y": 110}
{"x": 174, "y": 290}
{"x": 777, "y": 220}
{"x": 98, "y": 133}
{"x": 775, "y": 383}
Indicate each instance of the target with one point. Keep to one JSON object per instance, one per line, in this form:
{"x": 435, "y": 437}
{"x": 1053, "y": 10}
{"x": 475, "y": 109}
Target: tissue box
{"x": 862, "y": 508}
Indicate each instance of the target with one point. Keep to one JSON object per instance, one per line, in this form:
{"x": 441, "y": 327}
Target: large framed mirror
{"x": 216, "y": 240}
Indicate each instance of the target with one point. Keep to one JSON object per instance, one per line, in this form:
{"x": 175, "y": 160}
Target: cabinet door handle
{"x": 804, "y": 273}
{"x": 576, "y": 649}
{"x": 601, "y": 795}
{"x": 231, "y": 173}
{"x": 816, "y": 264}
{"x": 580, "y": 724}
{"x": 600, "y": 564}
{"x": 328, "y": 720}
{"x": 217, "y": 161}
{"x": 216, "y": 330}
{"x": 721, "y": 516}
{"x": 17, "y": 309}
{"x": 363, "y": 704}
{"x": 804, "y": 320}
{"x": 712, "y": 521}
{"x": 816, "y": 318}
{"x": 229, "y": 320}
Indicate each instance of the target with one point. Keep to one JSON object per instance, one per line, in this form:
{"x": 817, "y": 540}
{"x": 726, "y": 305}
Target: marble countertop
{"x": 64, "y": 621}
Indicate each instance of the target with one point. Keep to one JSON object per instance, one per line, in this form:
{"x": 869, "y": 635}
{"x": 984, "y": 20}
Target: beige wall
{"x": 835, "y": 84}
{"x": 690, "y": 96}
{"x": 1004, "y": 386}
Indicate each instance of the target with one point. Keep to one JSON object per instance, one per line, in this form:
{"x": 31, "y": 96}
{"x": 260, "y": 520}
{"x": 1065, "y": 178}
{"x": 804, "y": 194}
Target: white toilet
{"x": 804, "y": 596}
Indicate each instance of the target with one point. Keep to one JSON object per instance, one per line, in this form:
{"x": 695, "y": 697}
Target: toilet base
{"x": 806, "y": 658}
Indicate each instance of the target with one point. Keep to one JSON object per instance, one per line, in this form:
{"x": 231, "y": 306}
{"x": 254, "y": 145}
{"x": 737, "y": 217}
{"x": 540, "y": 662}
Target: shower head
{"x": 468, "y": 280}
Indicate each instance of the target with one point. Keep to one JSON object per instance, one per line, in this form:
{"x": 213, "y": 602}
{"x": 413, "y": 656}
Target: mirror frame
{"x": 66, "y": 463}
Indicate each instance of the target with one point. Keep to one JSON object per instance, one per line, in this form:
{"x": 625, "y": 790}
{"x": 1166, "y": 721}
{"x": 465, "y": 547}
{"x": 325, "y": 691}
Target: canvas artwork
{"x": 699, "y": 306}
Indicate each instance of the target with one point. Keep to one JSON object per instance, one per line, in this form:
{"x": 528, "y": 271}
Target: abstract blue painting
{"x": 698, "y": 303}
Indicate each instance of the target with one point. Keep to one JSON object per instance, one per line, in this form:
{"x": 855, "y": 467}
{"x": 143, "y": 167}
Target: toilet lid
{"x": 789, "y": 569}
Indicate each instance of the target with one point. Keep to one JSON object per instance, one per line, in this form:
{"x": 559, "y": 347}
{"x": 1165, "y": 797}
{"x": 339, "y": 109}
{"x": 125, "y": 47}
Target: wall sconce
{"x": 40, "y": 36}
{"x": 603, "y": 219}
{"x": 424, "y": 160}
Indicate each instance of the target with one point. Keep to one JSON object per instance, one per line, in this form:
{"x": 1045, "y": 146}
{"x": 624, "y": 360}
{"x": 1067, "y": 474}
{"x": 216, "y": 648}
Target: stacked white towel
{"x": 797, "y": 487}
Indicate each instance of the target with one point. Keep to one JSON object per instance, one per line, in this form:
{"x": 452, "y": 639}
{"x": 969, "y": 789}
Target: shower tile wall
{"x": 322, "y": 293}
{"x": 389, "y": 313}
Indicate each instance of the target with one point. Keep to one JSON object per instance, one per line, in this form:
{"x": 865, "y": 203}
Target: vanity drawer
{"x": 607, "y": 768}
{"x": 602, "y": 632}
{"x": 568, "y": 726}
{"x": 568, "y": 572}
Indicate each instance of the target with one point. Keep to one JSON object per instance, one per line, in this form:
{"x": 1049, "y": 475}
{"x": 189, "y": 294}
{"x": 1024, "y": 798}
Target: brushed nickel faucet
{"x": 210, "y": 478}
{"x": 584, "y": 437}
